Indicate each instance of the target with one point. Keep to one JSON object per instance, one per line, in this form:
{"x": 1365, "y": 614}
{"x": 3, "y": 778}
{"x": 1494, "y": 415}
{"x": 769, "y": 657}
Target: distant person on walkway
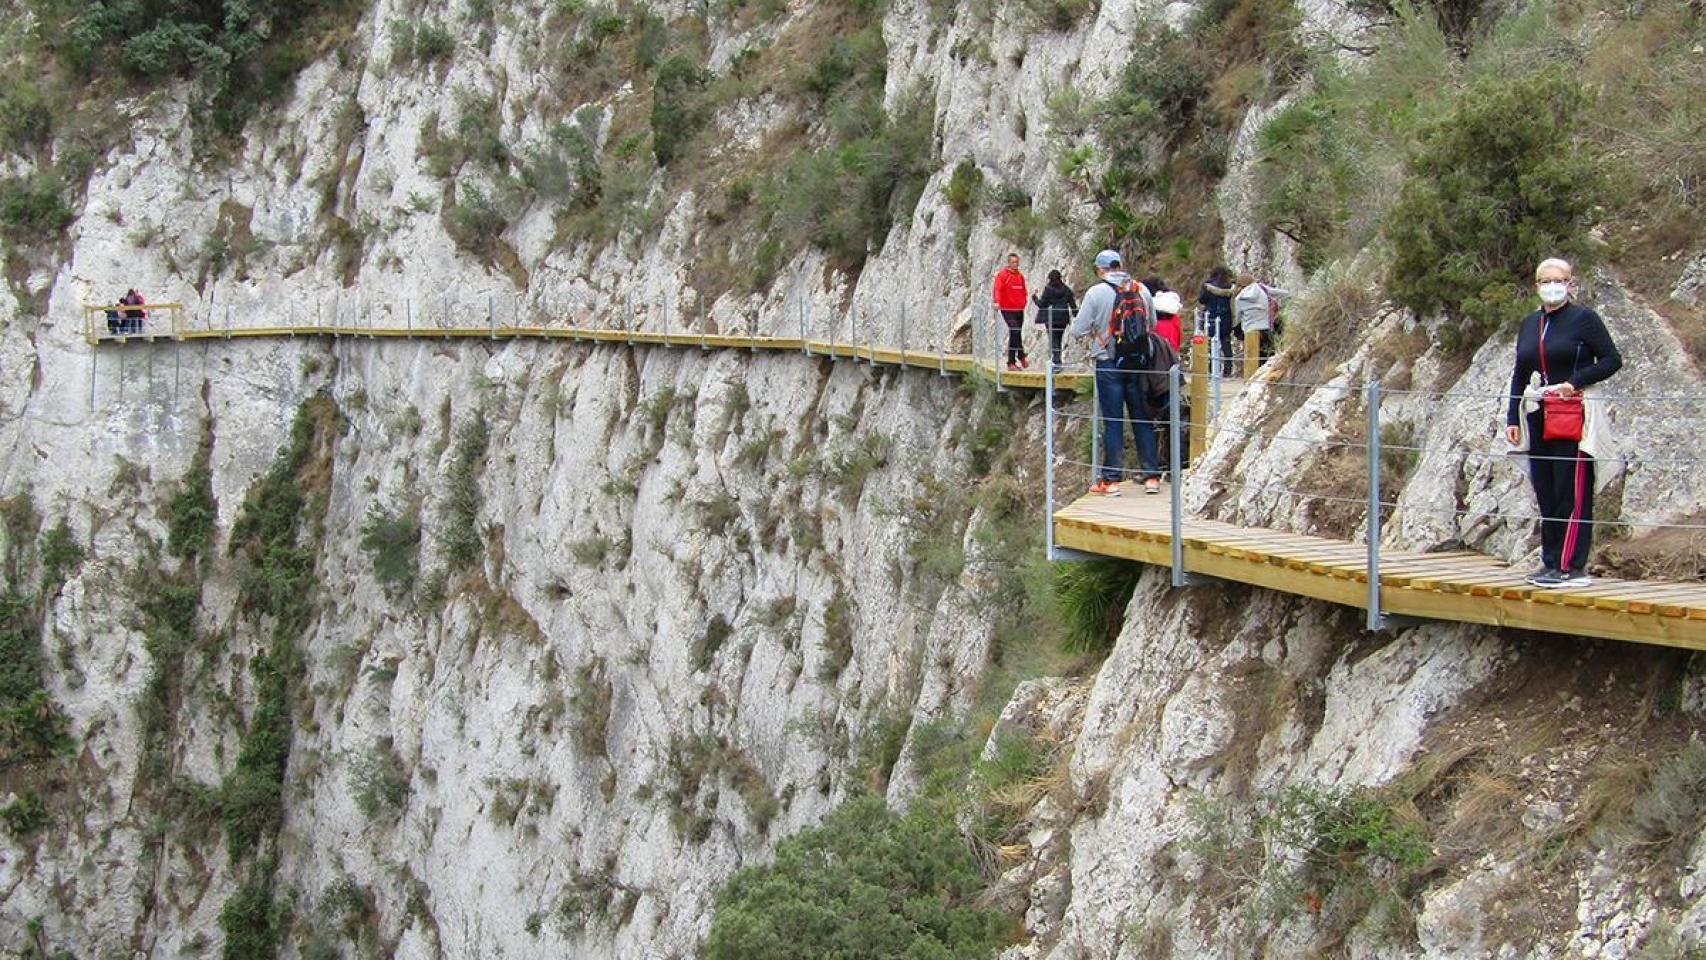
{"x": 132, "y": 320}
{"x": 1562, "y": 349}
{"x": 1055, "y": 307}
{"x": 1215, "y": 299}
{"x": 1119, "y": 390}
{"x": 1167, "y": 318}
{"x": 1010, "y": 298}
{"x": 1257, "y": 308}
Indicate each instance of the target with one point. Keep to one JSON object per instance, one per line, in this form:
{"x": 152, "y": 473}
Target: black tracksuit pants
{"x": 1563, "y": 484}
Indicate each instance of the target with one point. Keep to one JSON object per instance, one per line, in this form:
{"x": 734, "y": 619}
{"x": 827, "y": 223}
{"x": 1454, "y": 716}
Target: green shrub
{"x": 32, "y": 725}
{"x": 868, "y": 882}
{"x": 245, "y": 53}
{"x": 564, "y": 171}
{"x": 60, "y": 554}
{"x": 1306, "y": 844}
{"x": 192, "y": 513}
{"x": 837, "y": 636}
{"x": 33, "y": 207}
{"x": 1497, "y": 184}
{"x": 23, "y": 816}
{"x": 590, "y": 551}
{"x": 676, "y": 111}
{"x": 590, "y": 698}
{"x": 394, "y": 546}
{"x": 1060, "y": 15}
{"x": 1091, "y": 598}
{"x": 425, "y": 43}
{"x": 843, "y": 199}
{"x": 26, "y": 120}
{"x": 963, "y": 187}
{"x": 378, "y": 784}
{"x": 461, "y": 536}
{"x": 252, "y": 921}
{"x": 475, "y": 223}
{"x": 716, "y": 634}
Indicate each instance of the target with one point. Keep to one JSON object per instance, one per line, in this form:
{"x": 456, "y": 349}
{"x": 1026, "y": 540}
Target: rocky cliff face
{"x": 671, "y": 605}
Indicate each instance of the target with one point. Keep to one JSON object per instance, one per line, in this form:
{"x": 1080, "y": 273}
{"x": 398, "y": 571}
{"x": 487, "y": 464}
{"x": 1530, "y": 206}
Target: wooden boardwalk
{"x": 946, "y": 363}
{"x": 1464, "y": 587}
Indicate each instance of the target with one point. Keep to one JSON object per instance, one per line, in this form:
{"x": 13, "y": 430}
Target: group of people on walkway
{"x": 1562, "y": 349}
{"x": 1136, "y": 335}
{"x": 127, "y": 321}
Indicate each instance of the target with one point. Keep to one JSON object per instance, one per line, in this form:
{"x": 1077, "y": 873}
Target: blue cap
{"x": 1108, "y": 258}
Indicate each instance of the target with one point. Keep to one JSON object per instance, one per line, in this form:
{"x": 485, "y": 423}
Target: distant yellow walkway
{"x": 956, "y": 363}
{"x": 1464, "y": 587}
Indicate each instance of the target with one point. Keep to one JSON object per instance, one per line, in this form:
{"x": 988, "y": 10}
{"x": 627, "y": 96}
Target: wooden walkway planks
{"x": 1461, "y": 586}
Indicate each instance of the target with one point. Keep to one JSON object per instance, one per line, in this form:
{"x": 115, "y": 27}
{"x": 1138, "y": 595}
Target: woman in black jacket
{"x": 1056, "y": 306}
{"x": 1563, "y": 348}
{"x": 1216, "y": 302}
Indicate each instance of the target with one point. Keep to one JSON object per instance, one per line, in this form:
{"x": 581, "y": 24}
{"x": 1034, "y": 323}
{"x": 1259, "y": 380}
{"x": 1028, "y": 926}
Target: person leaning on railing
{"x": 1562, "y": 349}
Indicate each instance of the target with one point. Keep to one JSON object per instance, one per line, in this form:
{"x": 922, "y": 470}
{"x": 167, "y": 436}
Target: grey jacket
{"x": 1097, "y": 308}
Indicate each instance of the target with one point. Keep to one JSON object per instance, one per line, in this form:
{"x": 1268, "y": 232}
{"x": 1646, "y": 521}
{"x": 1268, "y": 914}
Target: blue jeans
{"x": 1120, "y": 394}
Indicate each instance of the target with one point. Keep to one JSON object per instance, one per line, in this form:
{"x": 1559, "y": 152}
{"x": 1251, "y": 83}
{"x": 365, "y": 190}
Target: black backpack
{"x": 1128, "y": 326}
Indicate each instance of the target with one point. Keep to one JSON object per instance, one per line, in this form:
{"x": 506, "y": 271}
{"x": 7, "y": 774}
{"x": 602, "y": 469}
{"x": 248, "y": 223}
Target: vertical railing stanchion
{"x": 409, "y": 316}
{"x": 1048, "y": 461}
{"x": 1176, "y": 481}
{"x": 1199, "y": 397}
{"x": 942, "y": 348}
{"x": 903, "y": 331}
{"x": 491, "y": 320}
{"x": 998, "y": 361}
{"x": 1095, "y": 424}
{"x": 1216, "y": 365}
{"x": 805, "y": 338}
{"x": 1375, "y": 619}
{"x": 702, "y": 324}
{"x": 628, "y": 318}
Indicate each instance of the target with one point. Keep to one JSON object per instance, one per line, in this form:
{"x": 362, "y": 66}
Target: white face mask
{"x": 1554, "y": 292}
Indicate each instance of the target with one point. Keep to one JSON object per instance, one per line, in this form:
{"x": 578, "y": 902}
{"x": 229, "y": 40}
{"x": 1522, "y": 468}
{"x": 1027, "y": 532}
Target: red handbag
{"x": 1561, "y": 418}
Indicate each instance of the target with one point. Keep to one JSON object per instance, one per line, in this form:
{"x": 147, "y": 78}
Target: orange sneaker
{"x": 1105, "y": 488}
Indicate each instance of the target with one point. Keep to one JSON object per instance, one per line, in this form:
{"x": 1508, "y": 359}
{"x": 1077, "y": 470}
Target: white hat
{"x": 1167, "y": 301}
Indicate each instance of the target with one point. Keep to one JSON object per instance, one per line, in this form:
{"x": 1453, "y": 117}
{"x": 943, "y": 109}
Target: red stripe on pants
{"x": 1565, "y": 555}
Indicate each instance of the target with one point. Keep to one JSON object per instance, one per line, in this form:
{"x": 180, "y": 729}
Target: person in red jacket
{"x": 1010, "y": 296}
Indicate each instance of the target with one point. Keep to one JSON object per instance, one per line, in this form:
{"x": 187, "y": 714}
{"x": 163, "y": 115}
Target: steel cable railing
{"x": 1322, "y": 406}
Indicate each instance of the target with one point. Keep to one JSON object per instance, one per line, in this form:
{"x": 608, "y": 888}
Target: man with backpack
{"x": 1116, "y": 313}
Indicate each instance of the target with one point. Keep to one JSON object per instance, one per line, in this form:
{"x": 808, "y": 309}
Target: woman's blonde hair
{"x": 1555, "y": 263}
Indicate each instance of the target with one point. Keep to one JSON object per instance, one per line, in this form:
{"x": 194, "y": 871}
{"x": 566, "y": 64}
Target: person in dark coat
{"x": 1056, "y": 307}
{"x": 1216, "y": 302}
{"x": 1563, "y": 348}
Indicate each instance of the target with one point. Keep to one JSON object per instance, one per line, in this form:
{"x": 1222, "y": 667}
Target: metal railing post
{"x": 491, "y": 320}
{"x": 903, "y": 331}
{"x": 942, "y": 349}
{"x": 1199, "y": 397}
{"x": 409, "y": 316}
{"x": 805, "y": 338}
{"x": 1095, "y": 424}
{"x": 1175, "y": 383}
{"x": 1048, "y": 461}
{"x": 999, "y": 346}
{"x": 1375, "y": 619}
{"x": 1216, "y": 362}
